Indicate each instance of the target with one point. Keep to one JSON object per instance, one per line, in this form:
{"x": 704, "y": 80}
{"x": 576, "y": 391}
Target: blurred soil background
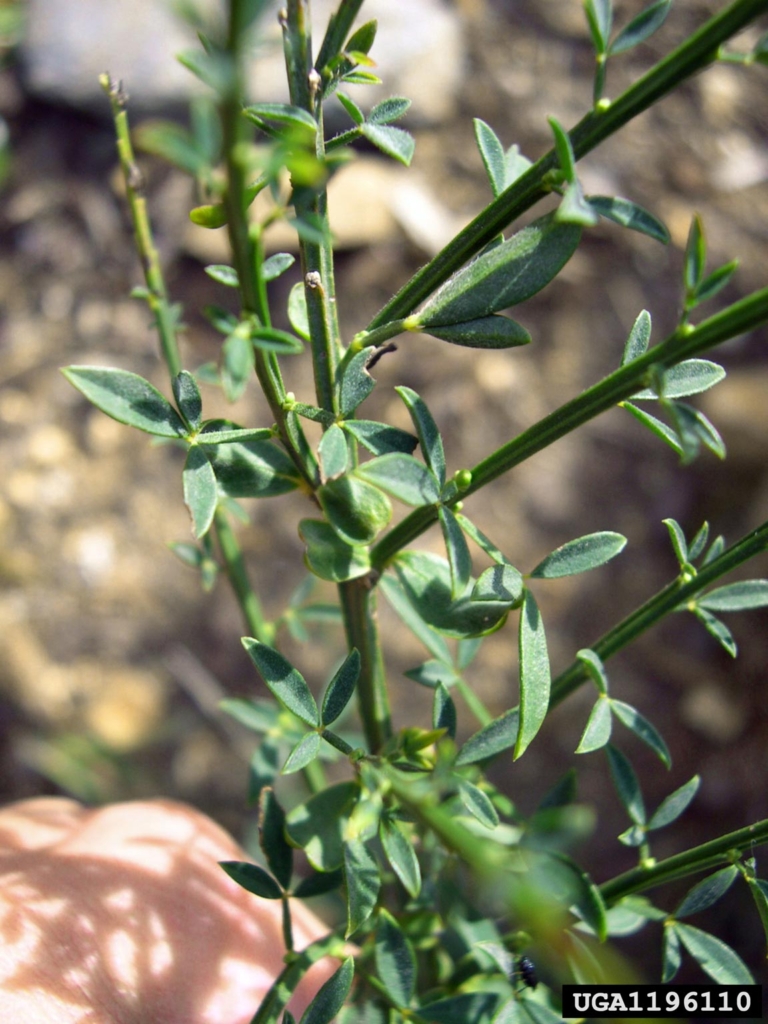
{"x": 112, "y": 660}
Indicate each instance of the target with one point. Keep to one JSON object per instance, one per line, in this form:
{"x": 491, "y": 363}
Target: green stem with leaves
{"x": 618, "y": 386}
{"x": 246, "y": 251}
{"x": 157, "y": 297}
{"x": 699, "y": 858}
{"x": 316, "y": 256}
{"x": 698, "y": 51}
{"x": 675, "y": 595}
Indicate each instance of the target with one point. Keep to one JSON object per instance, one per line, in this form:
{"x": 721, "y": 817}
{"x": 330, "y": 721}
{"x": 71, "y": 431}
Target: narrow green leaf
{"x": 318, "y": 884}
{"x": 362, "y": 881}
{"x": 395, "y": 961}
{"x": 633, "y": 836}
{"x": 330, "y": 999}
{"x": 426, "y": 580}
{"x": 492, "y": 739}
{"x": 600, "y": 18}
{"x": 341, "y": 688}
{"x": 492, "y": 154}
{"x": 356, "y": 77}
{"x": 252, "y": 878}
{"x": 626, "y": 783}
{"x": 187, "y": 395}
{"x": 579, "y": 555}
{"x": 362, "y": 39}
{"x": 478, "y": 804}
{"x": 171, "y": 142}
{"x": 717, "y": 959}
{"x": 432, "y": 640}
{"x": 214, "y": 69}
{"x": 707, "y": 892}
{"x": 201, "y": 495}
{"x": 629, "y": 215}
{"x": 564, "y": 150}
{"x": 272, "y": 840}
{"x": 690, "y": 377}
{"x": 483, "y": 542}
{"x": 444, "y": 710}
{"x": 433, "y": 672}
{"x": 380, "y": 438}
{"x": 388, "y": 110}
{"x": 259, "y": 715}
{"x": 715, "y": 282}
{"x": 253, "y": 469}
{"x": 400, "y": 853}
{"x": 297, "y": 311}
{"x": 427, "y": 432}
{"x": 759, "y": 889}
{"x": 699, "y": 542}
{"x": 672, "y": 955}
{"x": 641, "y": 27}
{"x": 672, "y": 806}
{"x": 224, "y": 322}
{"x": 639, "y": 337}
{"x": 281, "y": 114}
{"x": 356, "y": 383}
{"x": 270, "y": 339}
{"x": 402, "y": 476}
{"x": 355, "y": 509}
{"x": 351, "y": 108}
{"x": 237, "y": 435}
{"x": 505, "y": 275}
{"x": 643, "y": 729}
{"x": 694, "y": 429}
{"x": 457, "y": 550}
{"x": 598, "y": 729}
{"x": 317, "y": 826}
{"x": 394, "y": 142}
{"x": 223, "y": 274}
{"x": 586, "y": 898}
{"x": 276, "y": 264}
{"x": 695, "y": 256}
{"x": 471, "y": 1007}
{"x": 534, "y": 673}
{"x": 305, "y": 751}
{"x": 736, "y": 597}
{"x": 656, "y": 426}
{"x": 494, "y": 331}
{"x": 499, "y": 583}
{"x": 595, "y": 667}
{"x": 236, "y": 365}
{"x": 286, "y": 683}
{"x": 333, "y": 452}
{"x": 515, "y": 165}
{"x": 717, "y": 629}
{"x": 127, "y": 398}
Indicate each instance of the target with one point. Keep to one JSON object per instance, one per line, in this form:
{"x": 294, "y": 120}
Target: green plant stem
{"x": 245, "y": 248}
{"x": 739, "y": 318}
{"x": 674, "y": 595}
{"x": 338, "y": 29}
{"x": 700, "y": 858}
{"x": 699, "y": 50}
{"x": 337, "y": 742}
{"x": 157, "y": 299}
{"x": 316, "y": 257}
{"x": 473, "y": 702}
{"x": 358, "y": 604}
{"x": 250, "y": 606}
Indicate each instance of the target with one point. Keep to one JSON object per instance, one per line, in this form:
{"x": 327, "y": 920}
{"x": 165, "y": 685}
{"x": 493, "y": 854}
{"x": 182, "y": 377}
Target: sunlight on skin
{"x": 122, "y": 915}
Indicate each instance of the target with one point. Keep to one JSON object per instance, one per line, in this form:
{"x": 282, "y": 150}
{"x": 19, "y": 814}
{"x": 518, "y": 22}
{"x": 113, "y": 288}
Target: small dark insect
{"x": 527, "y": 971}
